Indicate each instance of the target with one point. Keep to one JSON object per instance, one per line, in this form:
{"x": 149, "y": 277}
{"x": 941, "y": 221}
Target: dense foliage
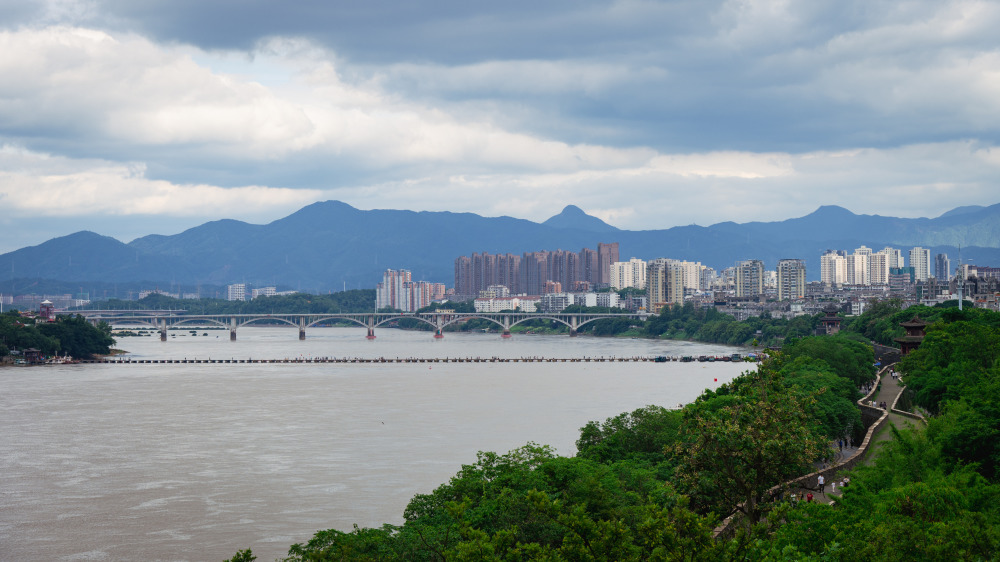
{"x": 650, "y": 484}
{"x": 931, "y": 494}
{"x": 710, "y": 325}
{"x": 645, "y": 485}
{"x": 68, "y": 335}
{"x": 731, "y": 457}
{"x": 360, "y": 300}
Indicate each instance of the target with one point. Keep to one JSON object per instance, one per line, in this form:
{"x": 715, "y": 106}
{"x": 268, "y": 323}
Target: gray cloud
{"x": 759, "y": 75}
{"x": 445, "y": 105}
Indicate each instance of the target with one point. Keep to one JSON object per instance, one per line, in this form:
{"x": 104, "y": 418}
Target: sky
{"x": 132, "y": 118}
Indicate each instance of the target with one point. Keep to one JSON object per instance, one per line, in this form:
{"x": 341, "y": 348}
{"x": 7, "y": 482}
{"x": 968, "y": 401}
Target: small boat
{"x": 59, "y": 360}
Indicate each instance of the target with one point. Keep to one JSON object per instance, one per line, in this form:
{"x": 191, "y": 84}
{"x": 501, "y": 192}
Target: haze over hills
{"x": 330, "y": 245}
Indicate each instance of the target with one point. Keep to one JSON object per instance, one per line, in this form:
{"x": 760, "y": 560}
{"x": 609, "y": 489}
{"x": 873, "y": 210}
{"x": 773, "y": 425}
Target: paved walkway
{"x": 888, "y": 393}
{"x": 889, "y": 390}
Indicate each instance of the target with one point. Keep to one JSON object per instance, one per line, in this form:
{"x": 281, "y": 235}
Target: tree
{"x": 77, "y": 337}
{"x": 734, "y": 456}
{"x": 953, "y": 358}
{"x": 641, "y": 434}
{"x": 835, "y": 410}
{"x": 243, "y": 556}
{"x": 846, "y": 356}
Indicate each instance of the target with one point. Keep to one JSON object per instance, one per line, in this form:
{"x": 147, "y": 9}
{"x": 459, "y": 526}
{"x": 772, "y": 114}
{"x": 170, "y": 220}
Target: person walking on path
{"x": 821, "y": 484}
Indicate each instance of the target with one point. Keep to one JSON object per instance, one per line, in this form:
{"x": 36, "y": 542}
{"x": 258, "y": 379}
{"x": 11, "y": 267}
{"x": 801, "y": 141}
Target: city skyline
{"x": 152, "y": 118}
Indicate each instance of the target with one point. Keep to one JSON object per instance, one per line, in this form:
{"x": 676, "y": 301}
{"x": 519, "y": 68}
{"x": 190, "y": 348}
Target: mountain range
{"x": 330, "y": 245}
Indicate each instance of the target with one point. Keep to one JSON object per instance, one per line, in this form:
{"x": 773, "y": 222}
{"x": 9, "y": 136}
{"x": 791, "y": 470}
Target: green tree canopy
{"x": 734, "y": 456}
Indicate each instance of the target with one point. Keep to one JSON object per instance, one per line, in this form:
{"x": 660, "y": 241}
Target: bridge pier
{"x": 371, "y": 333}
{"x": 232, "y": 329}
{"x": 506, "y": 333}
{"x": 572, "y": 333}
{"x": 438, "y": 334}
{"x": 302, "y": 329}
{"x": 163, "y": 330}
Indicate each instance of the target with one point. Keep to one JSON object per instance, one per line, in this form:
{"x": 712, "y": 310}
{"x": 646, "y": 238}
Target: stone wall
{"x": 727, "y": 529}
{"x": 885, "y": 354}
{"x": 904, "y": 413}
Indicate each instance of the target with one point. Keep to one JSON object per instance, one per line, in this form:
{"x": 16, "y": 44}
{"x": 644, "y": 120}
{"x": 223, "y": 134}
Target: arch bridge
{"x": 163, "y": 320}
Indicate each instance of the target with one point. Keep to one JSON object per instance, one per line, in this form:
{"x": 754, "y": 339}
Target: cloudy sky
{"x": 130, "y": 118}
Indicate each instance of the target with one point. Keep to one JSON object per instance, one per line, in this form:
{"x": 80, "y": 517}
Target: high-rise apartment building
{"x": 390, "y": 292}
{"x": 859, "y": 266}
{"x": 477, "y": 272}
{"x": 464, "y": 285}
{"x": 236, "y": 292}
{"x": 878, "y": 269}
{"x": 791, "y": 279}
{"x": 664, "y": 283}
{"x": 749, "y": 278}
{"x": 607, "y": 254}
{"x": 863, "y": 267}
{"x": 920, "y": 261}
{"x": 895, "y": 257}
{"x": 694, "y": 275}
{"x": 398, "y": 290}
{"x": 942, "y": 267}
{"x": 534, "y": 272}
{"x": 589, "y": 265}
{"x": 833, "y": 267}
{"x": 631, "y": 273}
{"x": 527, "y": 273}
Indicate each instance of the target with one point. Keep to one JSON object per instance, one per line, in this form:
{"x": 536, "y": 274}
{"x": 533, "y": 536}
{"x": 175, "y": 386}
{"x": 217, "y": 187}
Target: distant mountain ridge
{"x": 330, "y": 245}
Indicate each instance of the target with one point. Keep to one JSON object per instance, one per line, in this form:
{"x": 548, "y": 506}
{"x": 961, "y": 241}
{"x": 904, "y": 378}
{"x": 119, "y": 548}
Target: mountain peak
{"x": 966, "y": 210}
{"x": 573, "y": 217}
{"x": 831, "y": 211}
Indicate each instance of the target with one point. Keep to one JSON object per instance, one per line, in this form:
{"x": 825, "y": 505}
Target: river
{"x": 195, "y": 461}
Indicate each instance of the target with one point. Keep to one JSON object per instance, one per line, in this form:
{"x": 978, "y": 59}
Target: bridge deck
{"x": 630, "y": 359}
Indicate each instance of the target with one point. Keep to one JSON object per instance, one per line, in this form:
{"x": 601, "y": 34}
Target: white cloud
{"x": 45, "y": 185}
{"x": 127, "y": 91}
{"x": 671, "y": 190}
{"x": 868, "y": 99}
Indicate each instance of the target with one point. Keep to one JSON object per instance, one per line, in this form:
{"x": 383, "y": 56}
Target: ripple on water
{"x": 172, "y": 462}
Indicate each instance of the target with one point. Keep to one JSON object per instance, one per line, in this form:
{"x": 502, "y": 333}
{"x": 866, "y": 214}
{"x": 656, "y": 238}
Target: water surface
{"x": 192, "y": 462}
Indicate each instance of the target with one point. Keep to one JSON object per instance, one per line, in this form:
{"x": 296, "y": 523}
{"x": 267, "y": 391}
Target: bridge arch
{"x": 589, "y": 320}
{"x": 394, "y": 318}
{"x": 280, "y": 319}
{"x": 543, "y": 317}
{"x": 183, "y": 321}
{"x": 357, "y": 321}
{"x": 470, "y": 317}
{"x": 151, "y": 322}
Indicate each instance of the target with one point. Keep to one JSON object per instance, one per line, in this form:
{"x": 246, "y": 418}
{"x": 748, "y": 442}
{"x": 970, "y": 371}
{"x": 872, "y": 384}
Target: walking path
{"x": 888, "y": 392}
